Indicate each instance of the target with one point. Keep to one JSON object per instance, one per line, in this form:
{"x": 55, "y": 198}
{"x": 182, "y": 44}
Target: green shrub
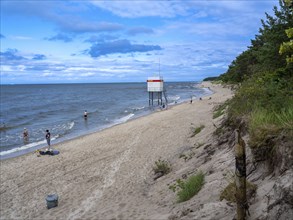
{"x": 178, "y": 185}
{"x": 191, "y": 187}
{"x": 162, "y": 166}
{"x": 197, "y": 130}
{"x": 211, "y": 78}
{"x": 264, "y": 123}
{"x": 229, "y": 192}
{"x": 188, "y": 156}
{"x": 220, "y": 110}
{"x": 263, "y": 90}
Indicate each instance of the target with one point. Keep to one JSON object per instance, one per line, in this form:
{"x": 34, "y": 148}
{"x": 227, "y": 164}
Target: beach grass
{"x": 264, "y": 123}
{"x": 228, "y": 193}
{"x": 191, "y": 187}
{"x": 197, "y": 130}
{"x": 162, "y": 166}
{"x": 220, "y": 110}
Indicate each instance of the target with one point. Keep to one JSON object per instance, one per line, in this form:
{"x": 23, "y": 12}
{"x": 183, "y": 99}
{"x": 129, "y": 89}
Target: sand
{"x": 109, "y": 175}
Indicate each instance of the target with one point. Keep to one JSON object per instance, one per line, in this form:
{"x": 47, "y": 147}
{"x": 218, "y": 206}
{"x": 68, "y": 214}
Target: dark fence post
{"x": 240, "y": 176}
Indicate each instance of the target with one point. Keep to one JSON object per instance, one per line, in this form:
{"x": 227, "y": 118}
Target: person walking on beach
{"x": 48, "y": 138}
{"x": 85, "y": 114}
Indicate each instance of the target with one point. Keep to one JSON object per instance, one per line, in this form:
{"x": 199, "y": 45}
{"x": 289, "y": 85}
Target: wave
{"x": 124, "y": 119}
{"x": 173, "y": 98}
{"x": 25, "y": 147}
{"x": 134, "y": 109}
{"x": 71, "y": 125}
{"x": 138, "y": 108}
{"x": 5, "y": 128}
{"x": 64, "y": 127}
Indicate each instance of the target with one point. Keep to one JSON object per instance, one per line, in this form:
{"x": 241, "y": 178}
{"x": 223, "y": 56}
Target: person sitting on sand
{"x": 48, "y": 138}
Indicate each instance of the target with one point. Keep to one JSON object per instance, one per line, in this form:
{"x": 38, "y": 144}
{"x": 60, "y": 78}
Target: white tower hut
{"x": 156, "y": 89}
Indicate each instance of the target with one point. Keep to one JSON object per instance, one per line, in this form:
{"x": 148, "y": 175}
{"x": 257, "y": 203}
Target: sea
{"x": 59, "y": 108}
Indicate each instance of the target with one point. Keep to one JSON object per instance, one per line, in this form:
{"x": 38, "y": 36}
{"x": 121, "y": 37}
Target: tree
{"x": 287, "y": 47}
{"x": 264, "y": 53}
{"x": 271, "y": 35}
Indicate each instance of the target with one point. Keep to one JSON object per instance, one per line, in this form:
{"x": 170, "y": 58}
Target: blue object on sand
{"x": 52, "y": 201}
{"x": 49, "y": 152}
{"x": 55, "y": 152}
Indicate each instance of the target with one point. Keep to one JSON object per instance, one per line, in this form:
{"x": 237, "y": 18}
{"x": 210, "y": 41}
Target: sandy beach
{"x": 108, "y": 174}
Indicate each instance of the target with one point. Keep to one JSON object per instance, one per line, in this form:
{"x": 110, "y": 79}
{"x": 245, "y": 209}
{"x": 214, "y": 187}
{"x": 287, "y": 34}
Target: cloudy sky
{"x": 124, "y": 41}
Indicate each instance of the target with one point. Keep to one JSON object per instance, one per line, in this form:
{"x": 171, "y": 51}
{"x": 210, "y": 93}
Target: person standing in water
{"x": 25, "y": 135}
{"x": 85, "y": 114}
{"x": 48, "y": 138}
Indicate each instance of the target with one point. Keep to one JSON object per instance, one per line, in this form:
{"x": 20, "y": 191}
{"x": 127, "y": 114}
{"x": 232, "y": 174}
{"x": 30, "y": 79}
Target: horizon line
{"x": 11, "y": 84}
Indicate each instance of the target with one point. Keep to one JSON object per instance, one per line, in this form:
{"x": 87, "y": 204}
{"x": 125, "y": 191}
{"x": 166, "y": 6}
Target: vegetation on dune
{"x": 211, "y": 78}
{"x": 162, "y": 167}
{"x": 197, "y": 130}
{"x": 264, "y": 99}
{"x": 229, "y": 192}
{"x": 189, "y": 188}
{"x": 264, "y": 123}
{"x": 220, "y": 110}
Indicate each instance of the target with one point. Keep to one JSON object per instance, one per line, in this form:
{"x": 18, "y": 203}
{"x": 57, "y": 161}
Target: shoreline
{"x": 55, "y": 142}
{"x": 108, "y": 174}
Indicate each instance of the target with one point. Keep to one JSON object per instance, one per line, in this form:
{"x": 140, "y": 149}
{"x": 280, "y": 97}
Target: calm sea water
{"x": 60, "y": 108}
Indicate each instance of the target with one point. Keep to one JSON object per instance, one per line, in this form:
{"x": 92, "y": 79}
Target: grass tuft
{"x": 220, "y": 110}
{"x": 191, "y": 187}
{"x": 229, "y": 192}
{"x": 162, "y": 166}
{"x": 197, "y": 130}
{"x": 264, "y": 123}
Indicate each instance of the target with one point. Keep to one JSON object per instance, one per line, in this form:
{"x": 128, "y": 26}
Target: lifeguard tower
{"x": 156, "y": 90}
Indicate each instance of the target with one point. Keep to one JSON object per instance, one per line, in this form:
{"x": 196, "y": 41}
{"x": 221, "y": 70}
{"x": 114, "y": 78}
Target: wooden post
{"x": 149, "y": 99}
{"x": 240, "y": 176}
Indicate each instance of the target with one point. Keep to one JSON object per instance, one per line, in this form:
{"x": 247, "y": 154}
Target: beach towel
{"x": 49, "y": 152}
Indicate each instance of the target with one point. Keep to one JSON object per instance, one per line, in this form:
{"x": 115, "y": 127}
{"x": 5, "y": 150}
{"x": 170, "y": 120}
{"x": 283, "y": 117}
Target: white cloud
{"x": 20, "y": 68}
{"x": 48, "y": 73}
{"x": 170, "y": 9}
{"x": 6, "y": 68}
{"x": 197, "y": 37}
{"x": 79, "y": 69}
{"x": 20, "y": 38}
{"x": 87, "y": 74}
{"x": 132, "y": 9}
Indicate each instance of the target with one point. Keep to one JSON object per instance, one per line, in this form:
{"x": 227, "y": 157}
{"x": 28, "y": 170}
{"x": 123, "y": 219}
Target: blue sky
{"x": 124, "y": 41}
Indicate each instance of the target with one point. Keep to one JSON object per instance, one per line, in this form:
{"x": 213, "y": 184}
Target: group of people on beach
{"x": 47, "y": 137}
{"x": 25, "y": 134}
{"x": 199, "y": 99}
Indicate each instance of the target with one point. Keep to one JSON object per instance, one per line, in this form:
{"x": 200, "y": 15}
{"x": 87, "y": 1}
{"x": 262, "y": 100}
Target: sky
{"x": 90, "y": 41}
